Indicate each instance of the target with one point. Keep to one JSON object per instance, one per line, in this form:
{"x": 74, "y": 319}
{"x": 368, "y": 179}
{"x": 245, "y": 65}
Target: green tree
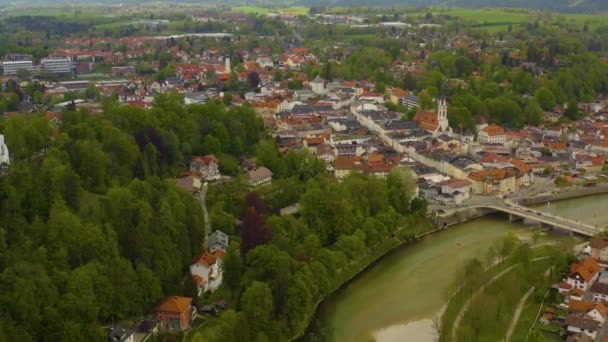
{"x": 257, "y": 304}
{"x": 233, "y": 269}
{"x": 545, "y": 98}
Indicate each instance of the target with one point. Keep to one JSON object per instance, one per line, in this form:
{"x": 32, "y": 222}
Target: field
{"x": 297, "y": 10}
{"x": 499, "y": 19}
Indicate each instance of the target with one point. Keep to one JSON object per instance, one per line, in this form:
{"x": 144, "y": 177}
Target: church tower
{"x": 227, "y": 64}
{"x": 442, "y": 116}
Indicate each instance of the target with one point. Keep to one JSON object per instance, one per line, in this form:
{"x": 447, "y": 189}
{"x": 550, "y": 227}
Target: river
{"x": 397, "y": 299}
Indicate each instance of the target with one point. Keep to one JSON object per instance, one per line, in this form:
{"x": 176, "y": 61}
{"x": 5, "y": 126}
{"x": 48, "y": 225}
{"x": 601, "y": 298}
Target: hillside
{"x": 574, "y": 6}
{"x": 570, "y": 6}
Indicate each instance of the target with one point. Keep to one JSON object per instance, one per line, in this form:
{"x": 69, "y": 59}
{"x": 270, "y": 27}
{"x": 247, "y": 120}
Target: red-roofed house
{"x": 207, "y": 165}
{"x": 583, "y": 274}
{"x": 372, "y": 97}
{"x": 175, "y": 313}
{"x": 492, "y": 135}
{"x": 459, "y": 188}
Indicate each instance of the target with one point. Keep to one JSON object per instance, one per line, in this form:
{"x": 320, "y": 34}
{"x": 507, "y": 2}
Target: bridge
{"x": 518, "y": 212}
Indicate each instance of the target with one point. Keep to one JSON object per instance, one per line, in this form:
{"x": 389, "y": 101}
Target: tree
{"x": 227, "y": 99}
{"x": 400, "y": 184}
{"x": 533, "y": 113}
{"x": 253, "y": 227}
{"x": 253, "y": 79}
{"x": 23, "y": 75}
{"x": 572, "y": 112}
{"x": 545, "y": 98}
{"x": 257, "y": 304}
{"x": 233, "y": 269}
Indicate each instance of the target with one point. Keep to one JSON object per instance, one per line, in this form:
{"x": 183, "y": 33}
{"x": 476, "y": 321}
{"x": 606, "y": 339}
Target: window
{"x": 174, "y": 323}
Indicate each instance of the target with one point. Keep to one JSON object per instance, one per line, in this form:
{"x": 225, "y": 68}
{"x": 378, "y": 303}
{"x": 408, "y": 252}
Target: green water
{"x": 397, "y": 298}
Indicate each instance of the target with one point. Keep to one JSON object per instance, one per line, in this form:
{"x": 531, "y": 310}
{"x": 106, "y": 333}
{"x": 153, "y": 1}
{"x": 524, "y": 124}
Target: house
{"x": 372, "y": 97}
{"x": 599, "y": 291}
{"x": 579, "y": 337}
{"x": 397, "y": 95}
{"x": 410, "y": 101}
{"x": 4, "y": 155}
{"x": 303, "y": 94}
{"x": 120, "y": 334}
{"x": 491, "y": 135}
{"x": 318, "y": 85}
{"x": 457, "y": 187}
{"x": 218, "y": 240}
{"x": 206, "y": 271}
{"x": 191, "y": 183}
{"x": 580, "y": 324}
{"x": 493, "y": 181}
{"x": 599, "y": 250}
{"x": 259, "y": 176}
{"x": 207, "y": 165}
{"x": 598, "y": 313}
{"x": 175, "y": 313}
{"x": 583, "y": 274}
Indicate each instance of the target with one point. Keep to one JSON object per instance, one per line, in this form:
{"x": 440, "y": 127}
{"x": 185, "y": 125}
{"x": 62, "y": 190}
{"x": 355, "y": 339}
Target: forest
{"x": 94, "y": 231}
{"x": 92, "y": 228}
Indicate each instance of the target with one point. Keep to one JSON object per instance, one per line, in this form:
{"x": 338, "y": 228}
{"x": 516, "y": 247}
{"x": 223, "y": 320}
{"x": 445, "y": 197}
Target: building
{"x": 303, "y": 94}
{"x": 493, "y": 181}
{"x": 599, "y": 291}
{"x": 599, "y": 250}
{"x": 175, "y": 313}
{"x": 437, "y": 123}
{"x": 208, "y": 166}
{"x": 318, "y": 85}
{"x": 218, "y": 240}
{"x": 56, "y": 65}
{"x": 12, "y": 67}
{"x": 583, "y": 274}
{"x": 259, "y": 176}
{"x": 120, "y": 334}
{"x": 410, "y": 101}
{"x": 582, "y": 324}
{"x": 492, "y": 135}
{"x": 4, "y": 155}
{"x": 206, "y": 271}
{"x": 123, "y": 70}
{"x": 457, "y": 188}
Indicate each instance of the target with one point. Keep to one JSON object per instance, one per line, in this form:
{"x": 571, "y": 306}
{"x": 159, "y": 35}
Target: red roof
{"x": 456, "y": 183}
{"x": 175, "y": 304}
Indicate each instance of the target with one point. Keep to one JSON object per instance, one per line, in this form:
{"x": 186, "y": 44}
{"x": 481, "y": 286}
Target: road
{"x": 520, "y": 308}
{"x": 202, "y": 196}
{"x": 466, "y": 305}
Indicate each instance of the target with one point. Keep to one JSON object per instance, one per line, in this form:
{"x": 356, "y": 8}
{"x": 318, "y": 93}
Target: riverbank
{"x": 398, "y": 296}
{"x": 384, "y": 250}
{"x": 567, "y": 193}
{"x": 478, "y": 294}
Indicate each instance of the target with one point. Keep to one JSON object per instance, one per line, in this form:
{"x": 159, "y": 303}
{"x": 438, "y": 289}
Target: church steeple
{"x": 442, "y": 115}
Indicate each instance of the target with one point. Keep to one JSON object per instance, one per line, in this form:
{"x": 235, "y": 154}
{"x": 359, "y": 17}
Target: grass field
{"x": 498, "y": 19}
{"x": 297, "y": 10}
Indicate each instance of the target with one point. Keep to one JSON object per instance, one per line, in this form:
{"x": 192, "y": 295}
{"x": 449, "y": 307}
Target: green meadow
{"x": 498, "y": 19}
{"x": 298, "y": 10}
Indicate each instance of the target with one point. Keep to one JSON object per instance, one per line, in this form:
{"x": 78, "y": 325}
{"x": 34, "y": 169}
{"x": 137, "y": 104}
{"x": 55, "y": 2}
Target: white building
{"x": 318, "y": 85}
{"x": 4, "y": 155}
{"x": 11, "y": 68}
{"x": 492, "y": 135}
{"x": 56, "y": 65}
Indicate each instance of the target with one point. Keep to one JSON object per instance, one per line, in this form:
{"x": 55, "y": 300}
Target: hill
{"x": 571, "y": 6}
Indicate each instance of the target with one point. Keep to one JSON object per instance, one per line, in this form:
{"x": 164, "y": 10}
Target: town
{"x": 476, "y": 120}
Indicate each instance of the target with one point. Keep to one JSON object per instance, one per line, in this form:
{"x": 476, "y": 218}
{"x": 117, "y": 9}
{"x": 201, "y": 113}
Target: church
{"x": 435, "y": 122}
